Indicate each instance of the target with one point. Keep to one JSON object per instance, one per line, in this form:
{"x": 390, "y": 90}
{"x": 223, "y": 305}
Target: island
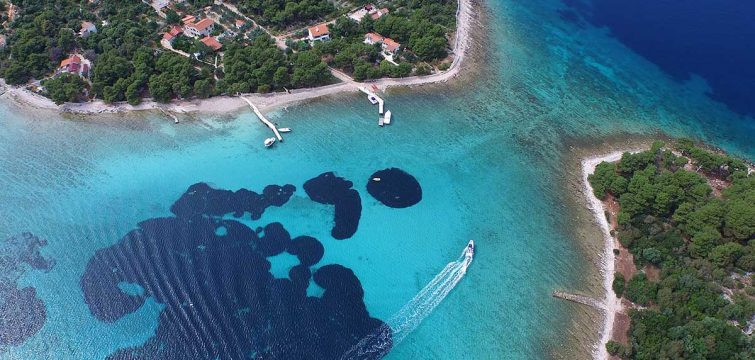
{"x": 129, "y": 52}
{"x": 680, "y": 251}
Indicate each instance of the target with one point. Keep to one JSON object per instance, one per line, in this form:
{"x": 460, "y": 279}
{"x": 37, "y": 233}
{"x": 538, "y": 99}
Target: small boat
{"x": 269, "y": 142}
{"x": 468, "y": 254}
{"x": 376, "y": 179}
{"x": 373, "y": 99}
{"x": 387, "y": 120}
{"x": 284, "y": 130}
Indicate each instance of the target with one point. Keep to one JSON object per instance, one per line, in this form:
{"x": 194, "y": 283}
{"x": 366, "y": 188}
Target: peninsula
{"x": 187, "y": 56}
{"x": 679, "y": 226}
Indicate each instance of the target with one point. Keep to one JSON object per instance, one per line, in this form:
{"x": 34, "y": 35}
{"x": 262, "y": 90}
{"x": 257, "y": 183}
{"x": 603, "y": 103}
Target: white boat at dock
{"x": 284, "y": 130}
{"x": 269, "y": 142}
{"x": 387, "y": 120}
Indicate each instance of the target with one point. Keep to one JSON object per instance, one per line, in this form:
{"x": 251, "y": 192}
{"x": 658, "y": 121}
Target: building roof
{"x": 240, "y": 23}
{"x": 213, "y": 43}
{"x": 188, "y": 19}
{"x": 175, "y": 30}
{"x": 390, "y": 44}
{"x": 377, "y": 14}
{"x": 319, "y": 30}
{"x": 172, "y": 33}
{"x": 203, "y": 24}
{"x": 87, "y": 25}
{"x": 71, "y": 60}
{"x": 374, "y": 37}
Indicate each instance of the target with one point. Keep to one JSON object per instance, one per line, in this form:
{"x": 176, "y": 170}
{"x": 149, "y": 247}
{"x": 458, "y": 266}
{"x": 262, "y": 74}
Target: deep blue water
{"x": 714, "y": 39}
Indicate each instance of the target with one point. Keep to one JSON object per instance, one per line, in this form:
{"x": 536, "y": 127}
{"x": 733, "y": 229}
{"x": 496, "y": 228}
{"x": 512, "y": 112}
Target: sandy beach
{"x": 612, "y": 304}
{"x": 266, "y": 102}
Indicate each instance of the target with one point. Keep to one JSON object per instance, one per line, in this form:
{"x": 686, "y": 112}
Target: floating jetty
{"x": 580, "y": 299}
{"x": 373, "y": 98}
{"x": 264, "y": 119}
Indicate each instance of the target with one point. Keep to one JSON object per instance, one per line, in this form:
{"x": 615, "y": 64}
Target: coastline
{"x": 612, "y": 304}
{"x": 266, "y": 102}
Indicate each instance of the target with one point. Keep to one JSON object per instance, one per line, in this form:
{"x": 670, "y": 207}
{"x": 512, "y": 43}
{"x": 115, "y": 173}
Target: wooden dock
{"x": 264, "y": 119}
{"x": 580, "y": 299}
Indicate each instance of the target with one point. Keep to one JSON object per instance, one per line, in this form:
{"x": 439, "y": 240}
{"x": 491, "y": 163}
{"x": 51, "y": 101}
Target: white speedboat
{"x": 468, "y": 254}
{"x": 376, "y": 179}
{"x": 284, "y": 130}
{"x": 269, "y": 142}
{"x": 387, "y": 119}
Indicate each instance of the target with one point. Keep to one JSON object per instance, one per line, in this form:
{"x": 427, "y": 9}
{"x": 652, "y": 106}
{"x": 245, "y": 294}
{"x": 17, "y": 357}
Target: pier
{"x": 371, "y": 94}
{"x": 264, "y": 119}
{"x": 579, "y": 299}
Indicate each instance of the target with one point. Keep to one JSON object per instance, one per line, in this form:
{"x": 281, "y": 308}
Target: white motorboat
{"x": 468, "y": 254}
{"x": 387, "y": 119}
{"x": 376, "y": 179}
{"x": 269, "y": 142}
{"x": 284, "y": 130}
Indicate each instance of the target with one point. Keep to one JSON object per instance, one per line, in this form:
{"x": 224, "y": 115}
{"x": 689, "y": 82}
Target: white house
{"x": 202, "y": 28}
{"x": 319, "y": 32}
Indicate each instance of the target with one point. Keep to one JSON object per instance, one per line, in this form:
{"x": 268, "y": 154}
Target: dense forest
{"x": 281, "y": 14}
{"x": 128, "y": 64}
{"x": 703, "y": 242}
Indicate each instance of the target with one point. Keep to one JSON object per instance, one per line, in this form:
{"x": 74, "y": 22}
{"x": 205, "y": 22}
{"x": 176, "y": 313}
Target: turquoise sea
{"x": 494, "y": 152}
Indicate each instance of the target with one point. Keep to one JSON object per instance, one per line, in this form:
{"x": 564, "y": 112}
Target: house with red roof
{"x": 170, "y": 36}
{"x": 373, "y": 38}
{"x": 201, "y": 28}
{"x": 391, "y": 46}
{"x": 212, "y": 43}
{"x": 75, "y": 64}
{"x": 388, "y": 45}
{"x": 319, "y": 32}
{"x": 377, "y": 14}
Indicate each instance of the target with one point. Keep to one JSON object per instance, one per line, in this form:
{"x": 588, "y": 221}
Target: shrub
{"x": 619, "y": 284}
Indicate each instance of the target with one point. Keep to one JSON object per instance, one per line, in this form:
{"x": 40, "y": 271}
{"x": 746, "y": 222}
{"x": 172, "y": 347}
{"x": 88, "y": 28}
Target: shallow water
{"x": 487, "y": 150}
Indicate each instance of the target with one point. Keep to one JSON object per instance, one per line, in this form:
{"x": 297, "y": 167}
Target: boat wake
{"x": 400, "y": 325}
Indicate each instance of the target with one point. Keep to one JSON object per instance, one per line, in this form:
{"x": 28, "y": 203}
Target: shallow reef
{"x": 213, "y": 276}
{"x": 333, "y": 190}
{"x": 394, "y": 188}
{"x": 22, "y": 313}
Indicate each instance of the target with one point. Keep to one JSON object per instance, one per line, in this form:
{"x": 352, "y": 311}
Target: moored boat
{"x": 284, "y": 130}
{"x": 387, "y": 119}
{"x": 269, "y": 142}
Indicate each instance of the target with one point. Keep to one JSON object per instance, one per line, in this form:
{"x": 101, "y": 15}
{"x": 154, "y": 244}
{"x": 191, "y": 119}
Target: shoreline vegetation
{"x": 265, "y": 101}
{"x": 668, "y": 290}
